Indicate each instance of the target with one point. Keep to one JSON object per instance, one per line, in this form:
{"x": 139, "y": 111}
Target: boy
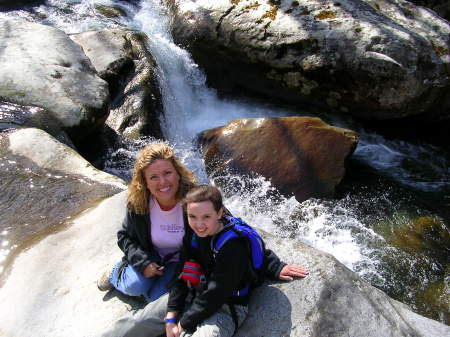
{"x": 223, "y": 278}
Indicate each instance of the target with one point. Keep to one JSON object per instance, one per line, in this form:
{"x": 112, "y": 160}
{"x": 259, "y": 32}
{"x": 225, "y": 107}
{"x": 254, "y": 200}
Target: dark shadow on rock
{"x": 135, "y": 303}
{"x": 269, "y": 313}
{"x": 95, "y": 146}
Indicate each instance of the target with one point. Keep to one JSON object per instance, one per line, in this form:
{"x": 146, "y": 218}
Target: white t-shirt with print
{"x": 167, "y": 229}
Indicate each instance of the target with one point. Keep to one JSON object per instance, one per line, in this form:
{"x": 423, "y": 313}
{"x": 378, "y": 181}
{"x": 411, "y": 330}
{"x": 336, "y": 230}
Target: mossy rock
{"x": 419, "y": 234}
{"x": 113, "y": 11}
{"x": 271, "y": 14}
{"x": 326, "y": 14}
{"x": 436, "y": 295}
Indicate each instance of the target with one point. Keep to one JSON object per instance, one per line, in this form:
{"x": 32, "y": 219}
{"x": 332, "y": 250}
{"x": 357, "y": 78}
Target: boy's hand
{"x": 180, "y": 329}
{"x": 290, "y": 271}
{"x": 172, "y": 330}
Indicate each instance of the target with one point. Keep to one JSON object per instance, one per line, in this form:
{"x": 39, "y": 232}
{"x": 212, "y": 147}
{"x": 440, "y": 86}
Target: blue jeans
{"x": 131, "y": 282}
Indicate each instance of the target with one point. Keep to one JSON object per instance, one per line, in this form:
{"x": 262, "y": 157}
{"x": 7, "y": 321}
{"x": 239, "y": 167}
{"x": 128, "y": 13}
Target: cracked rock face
{"x": 375, "y": 59}
{"x": 122, "y": 59}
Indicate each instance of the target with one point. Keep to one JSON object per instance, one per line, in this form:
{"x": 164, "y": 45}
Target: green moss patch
{"x": 252, "y": 5}
{"x": 110, "y": 11}
{"x": 419, "y": 234}
{"x": 436, "y": 296}
{"x": 271, "y": 14}
{"x": 326, "y": 14}
{"x": 441, "y": 50}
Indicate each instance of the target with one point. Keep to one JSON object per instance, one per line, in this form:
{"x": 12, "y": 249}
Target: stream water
{"x": 387, "y": 223}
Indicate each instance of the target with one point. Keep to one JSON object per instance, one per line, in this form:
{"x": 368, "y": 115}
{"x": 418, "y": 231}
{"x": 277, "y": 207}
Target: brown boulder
{"x": 302, "y": 156}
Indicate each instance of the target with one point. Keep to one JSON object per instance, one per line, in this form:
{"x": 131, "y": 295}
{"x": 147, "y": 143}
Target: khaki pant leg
{"x": 220, "y": 324}
{"x": 148, "y": 322}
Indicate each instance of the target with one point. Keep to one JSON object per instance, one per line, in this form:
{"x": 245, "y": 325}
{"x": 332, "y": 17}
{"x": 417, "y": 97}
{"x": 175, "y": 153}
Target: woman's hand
{"x": 290, "y": 271}
{"x": 152, "y": 269}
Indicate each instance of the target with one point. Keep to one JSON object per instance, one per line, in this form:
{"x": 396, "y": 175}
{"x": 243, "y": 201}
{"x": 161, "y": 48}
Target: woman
{"x": 154, "y": 226}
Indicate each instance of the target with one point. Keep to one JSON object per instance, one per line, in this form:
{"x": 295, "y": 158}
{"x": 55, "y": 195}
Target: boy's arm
{"x": 278, "y": 270}
{"x": 273, "y": 264}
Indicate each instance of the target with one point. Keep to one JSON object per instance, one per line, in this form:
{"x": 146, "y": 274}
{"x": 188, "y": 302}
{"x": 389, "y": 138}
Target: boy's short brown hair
{"x": 202, "y": 193}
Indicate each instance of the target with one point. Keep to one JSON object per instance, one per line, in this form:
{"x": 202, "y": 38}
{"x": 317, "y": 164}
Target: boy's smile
{"x": 204, "y": 219}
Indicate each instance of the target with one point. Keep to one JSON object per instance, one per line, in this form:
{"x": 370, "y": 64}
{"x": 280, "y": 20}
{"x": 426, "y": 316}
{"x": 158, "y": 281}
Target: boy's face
{"x": 203, "y": 218}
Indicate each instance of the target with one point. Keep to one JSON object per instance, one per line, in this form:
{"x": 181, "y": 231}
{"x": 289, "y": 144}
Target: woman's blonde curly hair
{"x": 138, "y": 193}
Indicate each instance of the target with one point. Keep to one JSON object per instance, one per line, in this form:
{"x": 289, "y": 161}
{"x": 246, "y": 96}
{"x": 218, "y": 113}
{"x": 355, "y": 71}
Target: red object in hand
{"x": 192, "y": 273}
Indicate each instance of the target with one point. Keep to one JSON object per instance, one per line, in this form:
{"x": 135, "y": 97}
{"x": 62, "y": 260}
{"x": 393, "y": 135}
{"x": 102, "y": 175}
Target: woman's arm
{"x": 131, "y": 241}
{"x": 178, "y": 289}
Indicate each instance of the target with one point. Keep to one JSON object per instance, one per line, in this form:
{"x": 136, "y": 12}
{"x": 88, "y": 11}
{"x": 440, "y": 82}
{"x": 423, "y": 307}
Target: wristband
{"x": 170, "y": 320}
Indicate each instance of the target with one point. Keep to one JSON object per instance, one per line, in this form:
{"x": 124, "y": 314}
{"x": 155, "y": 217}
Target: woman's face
{"x": 163, "y": 182}
{"x": 203, "y": 218}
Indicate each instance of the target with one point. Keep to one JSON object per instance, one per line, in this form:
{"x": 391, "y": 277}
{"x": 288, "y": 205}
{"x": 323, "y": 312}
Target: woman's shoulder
{"x": 133, "y": 218}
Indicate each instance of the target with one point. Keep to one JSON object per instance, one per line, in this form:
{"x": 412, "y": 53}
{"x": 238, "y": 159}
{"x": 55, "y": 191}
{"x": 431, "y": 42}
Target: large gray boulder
{"x": 43, "y": 183}
{"x": 375, "y": 59}
{"x": 52, "y": 291}
{"x": 123, "y": 59}
{"x": 41, "y": 66}
{"x": 331, "y": 302}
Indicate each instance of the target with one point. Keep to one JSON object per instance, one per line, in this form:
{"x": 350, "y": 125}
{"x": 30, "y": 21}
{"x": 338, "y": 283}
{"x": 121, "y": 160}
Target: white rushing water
{"x": 190, "y": 107}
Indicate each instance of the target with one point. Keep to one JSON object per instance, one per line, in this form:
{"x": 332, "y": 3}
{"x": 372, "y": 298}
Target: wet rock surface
{"x": 44, "y": 183}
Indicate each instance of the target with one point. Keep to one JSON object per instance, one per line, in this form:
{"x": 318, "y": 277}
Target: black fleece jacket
{"x": 134, "y": 239}
{"x": 229, "y": 271}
